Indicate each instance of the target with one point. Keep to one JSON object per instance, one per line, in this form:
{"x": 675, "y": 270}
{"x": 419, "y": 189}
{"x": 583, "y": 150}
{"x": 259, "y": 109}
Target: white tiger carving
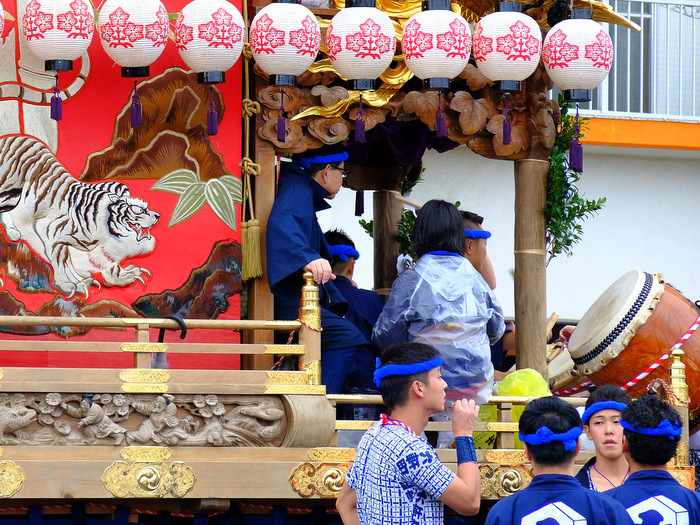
{"x": 80, "y": 229}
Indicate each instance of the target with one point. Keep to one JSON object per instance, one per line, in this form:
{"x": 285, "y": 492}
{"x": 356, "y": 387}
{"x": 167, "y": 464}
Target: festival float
{"x": 139, "y": 149}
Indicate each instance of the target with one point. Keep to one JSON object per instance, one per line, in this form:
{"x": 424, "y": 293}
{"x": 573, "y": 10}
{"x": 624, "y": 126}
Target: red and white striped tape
{"x": 664, "y": 357}
{"x": 573, "y": 389}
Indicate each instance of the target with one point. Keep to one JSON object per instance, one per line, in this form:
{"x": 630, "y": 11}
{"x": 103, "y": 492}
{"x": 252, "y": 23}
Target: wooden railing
{"x": 200, "y": 438}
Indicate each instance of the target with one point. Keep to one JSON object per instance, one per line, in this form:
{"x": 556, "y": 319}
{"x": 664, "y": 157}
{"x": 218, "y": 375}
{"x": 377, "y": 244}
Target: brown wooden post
{"x": 530, "y": 269}
{"x": 142, "y": 359}
{"x": 260, "y": 299}
{"x": 387, "y": 213}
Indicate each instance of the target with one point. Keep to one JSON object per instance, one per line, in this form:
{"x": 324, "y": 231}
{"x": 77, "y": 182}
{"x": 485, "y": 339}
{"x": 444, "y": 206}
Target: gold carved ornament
{"x": 145, "y": 479}
{"x": 11, "y": 479}
{"x": 324, "y": 480}
{"x": 144, "y": 381}
{"x": 500, "y": 481}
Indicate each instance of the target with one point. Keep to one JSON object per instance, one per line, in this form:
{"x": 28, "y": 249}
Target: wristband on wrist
{"x": 465, "y": 449}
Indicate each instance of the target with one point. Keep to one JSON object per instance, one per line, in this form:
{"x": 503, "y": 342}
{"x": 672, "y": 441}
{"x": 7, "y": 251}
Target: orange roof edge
{"x": 635, "y": 133}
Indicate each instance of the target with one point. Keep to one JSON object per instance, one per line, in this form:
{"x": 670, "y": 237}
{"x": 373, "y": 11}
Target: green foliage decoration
{"x": 564, "y": 207}
{"x": 221, "y": 194}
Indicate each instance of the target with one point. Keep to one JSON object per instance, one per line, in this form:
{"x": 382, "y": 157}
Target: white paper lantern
{"x": 578, "y": 55}
{"x": 436, "y": 44}
{"x": 361, "y": 42}
{"x": 58, "y": 31}
{"x": 507, "y": 46}
{"x": 285, "y": 38}
{"x": 209, "y": 35}
{"x": 133, "y": 33}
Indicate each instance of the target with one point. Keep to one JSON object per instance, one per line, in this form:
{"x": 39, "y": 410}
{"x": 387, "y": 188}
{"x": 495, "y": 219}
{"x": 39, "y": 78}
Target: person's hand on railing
{"x": 321, "y": 270}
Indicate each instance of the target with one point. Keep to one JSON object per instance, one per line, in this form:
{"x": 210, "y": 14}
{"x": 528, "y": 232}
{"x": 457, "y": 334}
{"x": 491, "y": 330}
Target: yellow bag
{"x": 524, "y": 382}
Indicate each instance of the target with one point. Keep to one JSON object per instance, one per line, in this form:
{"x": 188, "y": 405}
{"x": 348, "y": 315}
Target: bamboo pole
{"x": 530, "y": 269}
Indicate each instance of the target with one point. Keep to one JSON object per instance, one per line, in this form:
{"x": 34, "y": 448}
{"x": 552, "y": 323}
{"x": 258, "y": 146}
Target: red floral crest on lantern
{"x": 119, "y": 31}
{"x": 601, "y": 53}
{"x": 158, "y": 30}
{"x": 415, "y": 42}
{"x": 369, "y": 42}
{"x": 184, "y": 34}
{"x": 35, "y": 22}
{"x": 334, "y": 44}
{"x": 557, "y": 52}
{"x": 264, "y": 38}
{"x": 220, "y": 31}
{"x": 519, "y": 43}
{"x": 78, "y": 22}
{"x": 456, "y": 42}
{"x": 307, "y": 39}
{"x": 483, "y": 45}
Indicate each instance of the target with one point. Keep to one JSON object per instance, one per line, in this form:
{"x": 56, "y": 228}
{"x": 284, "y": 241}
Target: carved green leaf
{"x": 220, "y": 201}
{"x": 176, "y": 182}
{"x": 189, "y": 203}
{"x": 234, "y": 186}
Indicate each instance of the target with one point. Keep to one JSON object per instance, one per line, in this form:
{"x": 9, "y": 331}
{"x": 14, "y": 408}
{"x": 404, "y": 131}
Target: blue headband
{"x": 477, "y": 234}
{"x": 544, "y": 436}
{"x": 343, "y": 251}
{"x": 601, "y": 405}
{"x": 305, "y": 162}
{"x": 404, "y": 370}
{"x": 665, "y": 428}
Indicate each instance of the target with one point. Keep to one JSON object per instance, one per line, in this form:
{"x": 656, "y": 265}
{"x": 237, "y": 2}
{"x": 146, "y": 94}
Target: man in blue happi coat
{"x": 550, "y": 429}
{"x": 295, "y": 244}
{"x": 652, "y": 431}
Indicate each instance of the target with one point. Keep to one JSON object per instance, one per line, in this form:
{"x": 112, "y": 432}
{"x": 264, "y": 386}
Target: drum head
{"x": 611, "y": 322}
{"x": 562, "y": 374}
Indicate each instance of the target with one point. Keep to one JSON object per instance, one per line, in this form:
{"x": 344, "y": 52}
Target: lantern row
{"x": 285, "y": 39}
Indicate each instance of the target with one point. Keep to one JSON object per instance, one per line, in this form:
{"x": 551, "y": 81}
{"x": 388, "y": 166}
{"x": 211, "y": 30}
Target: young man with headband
{"x": 550, "y": 429}
{"x": 652, "y": 431}
{"x": 396, "y": 477}
{"x": 295, "y": 244}
{"x": 601, "y": 424}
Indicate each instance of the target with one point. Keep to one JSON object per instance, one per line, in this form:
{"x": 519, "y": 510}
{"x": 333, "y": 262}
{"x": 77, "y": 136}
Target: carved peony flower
{"x": 219, "y": 409}
{"x": 199, "y": 401}
{"x": 329, "y": 130}
{"x": 206, "y": 412}
{"x": 53, "y": 399}
{"x": 44, "y": 407}
{"x": 105, "y": 399}
{"x": 330, "y": 95}
{"x": 123, "y": 410}
{"x": 62, "y": 427}
{"x": 211, "y": 400}
{"x": 57, "y": 412}
{"x": 119, "y": 400}
{"x": 45, "y": 419}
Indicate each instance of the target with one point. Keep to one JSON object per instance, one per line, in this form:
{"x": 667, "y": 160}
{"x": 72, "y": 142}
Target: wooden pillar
{"x": 260, "y": 300}
{"x": 530, "y": 269}
{"x": 387, "y": 213}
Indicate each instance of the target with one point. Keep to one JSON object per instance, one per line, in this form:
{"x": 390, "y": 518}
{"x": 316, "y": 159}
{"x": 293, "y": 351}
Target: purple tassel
{"x": 506, "y": 124}
{"x": 359, "y": 203}
{"x": 135, "y": 109}
{"x": 576, "y": 149}
{"x": 360, "y": 131}
{"x": 56, "y": 103}
{"x": 281, "y": 126}
{"x": 212, "y": 116}
{"x": 440, "y": 124}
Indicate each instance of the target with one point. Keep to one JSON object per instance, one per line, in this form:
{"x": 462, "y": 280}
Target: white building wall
{"x": 650, "y": 221}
